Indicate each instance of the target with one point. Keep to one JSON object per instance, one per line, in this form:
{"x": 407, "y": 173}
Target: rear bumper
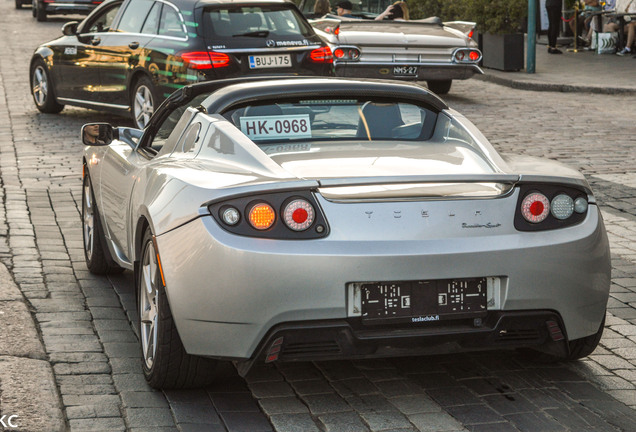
{"x": 69, "y": 8}
{"x": 349, "y": 339}
{"x": 426, "y": 71}
{"x": 228, "y": 292}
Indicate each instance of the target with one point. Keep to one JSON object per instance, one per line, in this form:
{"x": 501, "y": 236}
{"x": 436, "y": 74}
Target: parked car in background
{"x": 304, "y": 219}
{"x": 423, "y": 50}
{"x": 42, "y": 8}
{"x": 129, "y": 55}
{"x": 20, "y": 3}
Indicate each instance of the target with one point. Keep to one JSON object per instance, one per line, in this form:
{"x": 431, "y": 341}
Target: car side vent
{"x": 518, "y": 335}
{"x": 311, "y": 348}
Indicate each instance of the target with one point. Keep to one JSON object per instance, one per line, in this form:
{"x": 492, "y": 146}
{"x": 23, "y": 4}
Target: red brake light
{"x": 321, "y": 55}
{"x": 470, "y": 34}
{"x": 535, "y": 207}
{"x": 200, "y": 60}
{"x": 474, "y": 55}
{"x": 337, "y": 31}
{"x": 298, "y": 215}
{"x": 338, "y": 53}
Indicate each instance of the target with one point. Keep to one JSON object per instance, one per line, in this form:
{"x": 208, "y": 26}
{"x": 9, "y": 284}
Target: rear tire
{"x": 42, "y": 89}
{"x": 98, "y": 259}
{"x": 583, "y": 347}
{"x": 164, "y": 360}
{"x": 40, "y": 13}
{"x": 439, "y": 86}
{"x": 578, "y": 349}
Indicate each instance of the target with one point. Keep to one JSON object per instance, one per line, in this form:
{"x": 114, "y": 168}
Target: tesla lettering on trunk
{"x": 276, "y": 127}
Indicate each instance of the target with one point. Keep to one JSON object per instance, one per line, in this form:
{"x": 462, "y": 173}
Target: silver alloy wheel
{"x": 40, "y": 85}
{"x": 143, "y": 106}
{"x": 88, "y": 220}
{"x": 148, "y": 305}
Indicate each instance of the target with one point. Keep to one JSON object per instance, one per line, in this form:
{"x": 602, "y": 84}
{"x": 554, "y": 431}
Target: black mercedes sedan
{"x": 127, "y": 56}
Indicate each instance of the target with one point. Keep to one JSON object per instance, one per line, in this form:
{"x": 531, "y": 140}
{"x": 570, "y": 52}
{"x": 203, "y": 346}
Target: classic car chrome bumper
{"x": 426, "y": 71}
{"x": 227, "y": 292}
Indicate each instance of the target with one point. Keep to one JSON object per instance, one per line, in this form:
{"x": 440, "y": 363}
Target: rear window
{"x": 253, "y": 26}
{"x": 334, "y": 119}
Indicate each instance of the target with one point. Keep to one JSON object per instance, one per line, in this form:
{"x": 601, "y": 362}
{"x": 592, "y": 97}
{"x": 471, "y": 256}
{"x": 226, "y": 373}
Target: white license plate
{"x": 270, "y": 61}
{"x": 276, "y": 127}
{"x": 405, "y": 70}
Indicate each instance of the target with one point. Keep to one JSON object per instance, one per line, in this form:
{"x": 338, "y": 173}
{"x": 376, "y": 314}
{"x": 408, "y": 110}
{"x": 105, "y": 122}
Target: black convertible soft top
{"x": 318, "y": 87}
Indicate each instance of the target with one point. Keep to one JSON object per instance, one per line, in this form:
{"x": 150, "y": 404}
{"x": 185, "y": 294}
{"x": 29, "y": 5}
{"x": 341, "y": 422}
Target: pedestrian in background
{"x": 398, "y": 11}
{"x": 321, "y": 8}
{"x": 554, "y": 20}
{"x": 344, "y": 9}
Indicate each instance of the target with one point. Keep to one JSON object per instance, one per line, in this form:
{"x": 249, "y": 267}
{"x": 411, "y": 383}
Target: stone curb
{"x": 552, "y": 87}
{"x": 28, "y": 391}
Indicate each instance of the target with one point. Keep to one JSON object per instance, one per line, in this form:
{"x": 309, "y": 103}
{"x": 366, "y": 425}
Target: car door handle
{"x": 133, "y": 45}
{"x": 95, "y": 40}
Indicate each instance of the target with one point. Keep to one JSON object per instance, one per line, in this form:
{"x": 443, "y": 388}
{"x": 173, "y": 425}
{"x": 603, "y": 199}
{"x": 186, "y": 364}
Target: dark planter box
{"x": 504, "y": 52}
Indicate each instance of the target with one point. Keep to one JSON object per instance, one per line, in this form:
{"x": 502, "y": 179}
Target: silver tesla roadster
{"x": 273, "y": 220}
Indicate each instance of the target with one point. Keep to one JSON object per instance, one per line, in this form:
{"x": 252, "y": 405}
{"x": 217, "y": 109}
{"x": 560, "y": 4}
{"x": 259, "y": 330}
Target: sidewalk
{"x": 584, "y": 71}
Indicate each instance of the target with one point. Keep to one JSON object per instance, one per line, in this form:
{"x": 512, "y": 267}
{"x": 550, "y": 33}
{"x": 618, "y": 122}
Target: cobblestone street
{"x": 84, "y": 321}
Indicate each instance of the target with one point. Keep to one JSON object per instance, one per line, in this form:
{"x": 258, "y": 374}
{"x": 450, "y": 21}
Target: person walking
{"x": 554, "y": 19}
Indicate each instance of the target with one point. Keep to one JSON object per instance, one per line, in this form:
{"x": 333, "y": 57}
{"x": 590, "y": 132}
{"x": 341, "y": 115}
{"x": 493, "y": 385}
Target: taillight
{"x": 535, "y": 207}
{"x": 346, "y": 53}
{"x": 200, "y": 60}
{"x": 550, "y": 206}
{"x": 321, "y": 55}
{"x": 262, "y": 216}
{"x": 470, "y": 34}
{"x": 467, "y": 55}
{"x": 298, "y": 215}
{"x": 562, "y": 206}
{"x": 272, "y": 215}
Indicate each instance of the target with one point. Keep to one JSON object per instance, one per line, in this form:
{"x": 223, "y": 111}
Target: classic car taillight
{"x": 466, "y": 55}
{"x": 321, "y": 55}
{"x": 200, "y": 60}
{"x": 346, "y": 53}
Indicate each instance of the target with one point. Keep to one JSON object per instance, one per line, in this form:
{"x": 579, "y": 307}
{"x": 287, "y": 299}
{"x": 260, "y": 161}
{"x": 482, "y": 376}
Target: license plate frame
{"x": 423, "y": 301}
{"x": 405, "y": 70}
{"x": 269, "y": 61}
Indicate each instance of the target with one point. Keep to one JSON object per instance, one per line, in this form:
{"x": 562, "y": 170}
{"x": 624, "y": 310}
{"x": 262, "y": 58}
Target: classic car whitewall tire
{"x": 164, "y": 360}
{"x": 439, "y": 86}
{"x": 98, "y": 261}
{"x": 42, "y": 89}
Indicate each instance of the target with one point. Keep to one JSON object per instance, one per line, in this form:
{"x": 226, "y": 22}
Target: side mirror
{"x": 98, "y": 134}
{"x": 70, "y": 28}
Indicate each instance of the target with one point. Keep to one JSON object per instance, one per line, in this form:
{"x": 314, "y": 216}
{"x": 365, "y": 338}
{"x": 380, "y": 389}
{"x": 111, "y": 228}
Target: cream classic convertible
{"x": 420, "y": 50}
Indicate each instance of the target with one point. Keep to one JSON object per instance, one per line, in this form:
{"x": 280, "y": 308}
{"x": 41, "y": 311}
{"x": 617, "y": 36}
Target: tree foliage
{"x": 491, "y": 16}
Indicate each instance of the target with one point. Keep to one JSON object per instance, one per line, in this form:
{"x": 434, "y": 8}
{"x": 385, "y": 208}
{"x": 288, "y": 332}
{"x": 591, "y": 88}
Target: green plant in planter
{"x": 498, "y": 16}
